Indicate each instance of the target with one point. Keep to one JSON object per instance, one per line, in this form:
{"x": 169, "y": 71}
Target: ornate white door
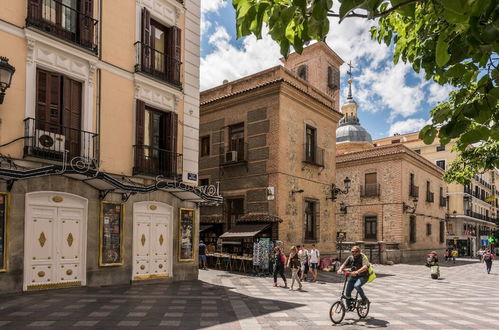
{"x": 152, "y": 240}
{"x": 55, "y": 240}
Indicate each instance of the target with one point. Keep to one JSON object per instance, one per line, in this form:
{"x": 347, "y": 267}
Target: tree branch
{"x": 386, "y": 12}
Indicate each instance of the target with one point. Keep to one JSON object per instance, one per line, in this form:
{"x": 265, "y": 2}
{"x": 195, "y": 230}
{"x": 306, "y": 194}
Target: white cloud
{"x": 438, "y": 93}
{"x": 210, "y": 6}
{"x": 229, "y": 62}
{"x": 407, "y": 126}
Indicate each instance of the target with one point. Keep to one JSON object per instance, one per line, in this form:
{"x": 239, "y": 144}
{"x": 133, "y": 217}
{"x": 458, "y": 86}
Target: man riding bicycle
{"x": 359, "y": 265}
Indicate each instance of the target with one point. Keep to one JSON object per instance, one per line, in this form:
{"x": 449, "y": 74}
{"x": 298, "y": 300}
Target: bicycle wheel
{"x": 337, "y": 312}
{"x": 363, "y": 310}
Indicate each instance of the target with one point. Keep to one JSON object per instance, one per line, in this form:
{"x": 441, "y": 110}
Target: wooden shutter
{"x": 139, "y": 134}
{"x": 146, "y": 39}
{"x": 170, "y": 134}
{"x": 174, "y": 54}
{"x": 48, "y": 105}
{"x": 71, "y": 115}
{"x": 86, "y": 23}
{"x": 35, "y": 10}
{"x": 370, "y": 178}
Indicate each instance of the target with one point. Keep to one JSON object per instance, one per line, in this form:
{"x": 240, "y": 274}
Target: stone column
{"x": 382, "y": 252}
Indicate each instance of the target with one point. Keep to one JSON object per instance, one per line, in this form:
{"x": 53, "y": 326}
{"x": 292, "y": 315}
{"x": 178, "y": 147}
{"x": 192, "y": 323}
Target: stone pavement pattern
{"x": 403, "y": 297}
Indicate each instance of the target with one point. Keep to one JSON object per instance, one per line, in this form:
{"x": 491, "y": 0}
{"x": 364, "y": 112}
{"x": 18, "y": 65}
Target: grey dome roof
{"x": 352, "y": 132}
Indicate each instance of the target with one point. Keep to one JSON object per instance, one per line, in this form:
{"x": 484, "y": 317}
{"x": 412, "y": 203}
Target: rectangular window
{"x": 205, "y": 146}
{"x": 428, "y": 229}
{"x": 440, "y": 148}
{"x": 310, "y": 220}
{"x": 442, "y": 232}
{"x": 396, "y": 141}
{"x": 3, "y": 231}
{"x": 371, "y": 223}
{"x": 310, "y": 143}
{"x": 371, "y": 186}
{"x": 333, "y": 77}
{"x": 111, "y": 240}
{"x": 235, "y": 209}
{"x": 204, "y": 182}
{"x": 236, "y": 140}
{"x": 412, "y": 229}
{"x": 441, "y": 164}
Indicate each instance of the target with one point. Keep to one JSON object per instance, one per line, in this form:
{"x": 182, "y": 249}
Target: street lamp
{"x": 410, "y": 209}
{"x": 6, "y": 73}
{"x": 335, "y": 191}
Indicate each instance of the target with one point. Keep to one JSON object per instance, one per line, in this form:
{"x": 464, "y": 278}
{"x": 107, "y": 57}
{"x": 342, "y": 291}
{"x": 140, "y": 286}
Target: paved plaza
{"x": 403, "y": 297}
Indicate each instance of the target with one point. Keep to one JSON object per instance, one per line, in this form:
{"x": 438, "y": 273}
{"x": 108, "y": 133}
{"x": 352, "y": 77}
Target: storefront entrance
{"x": 55, "y": 240}
{"x": 152, "y": 240}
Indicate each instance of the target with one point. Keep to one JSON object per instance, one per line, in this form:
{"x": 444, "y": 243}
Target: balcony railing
{"x": 413, "y": 191}
{"x": 54, "y": 142}
{"x": 443, "y": 201}
{"x": 64, "y": 22}
{"x": 430, "y": 197}
{"x": 313, "y": 155}
{"x": 370, "y": 190}
{"x": 235, "y": 154}
{"x": 157, "y": 64}
{"x": 152, "y": 161}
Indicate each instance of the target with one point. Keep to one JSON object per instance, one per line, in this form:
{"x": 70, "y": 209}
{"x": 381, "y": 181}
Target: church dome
{"x": 352, "y": 132}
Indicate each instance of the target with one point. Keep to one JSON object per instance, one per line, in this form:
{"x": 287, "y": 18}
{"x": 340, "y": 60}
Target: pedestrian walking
{"x": 314, "y": 259}
{"x": 303, "y": 255}
{"x": 488, "y": 257}
{"x": 294, "y": 264}
{"x": 202, "y": 255}
{"x": 480, "y": 254}
{"x": 454, "y": 255}
{"x": 279, "y": 262}
{"x": 447, "y": 254}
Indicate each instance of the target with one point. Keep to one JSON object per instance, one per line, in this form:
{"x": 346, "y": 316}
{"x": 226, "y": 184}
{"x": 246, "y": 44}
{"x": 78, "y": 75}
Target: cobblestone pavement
{"x": 402, "y": 297}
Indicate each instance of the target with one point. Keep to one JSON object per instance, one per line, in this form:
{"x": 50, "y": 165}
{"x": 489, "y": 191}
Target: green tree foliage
{"x": 453, "y": 42}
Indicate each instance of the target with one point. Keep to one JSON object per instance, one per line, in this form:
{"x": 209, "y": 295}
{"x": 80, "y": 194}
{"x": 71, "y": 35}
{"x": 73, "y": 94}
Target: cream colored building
{"x": 472, "y": 209}
{"x": 268, "y": 139}
{"x": 395, "y": 207}
{"x": 99, "y": 142}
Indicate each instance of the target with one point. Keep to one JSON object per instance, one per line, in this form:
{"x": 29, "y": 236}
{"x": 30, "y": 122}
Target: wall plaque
{"x": 186, "y": 238}
{"x": 111, "y": 234}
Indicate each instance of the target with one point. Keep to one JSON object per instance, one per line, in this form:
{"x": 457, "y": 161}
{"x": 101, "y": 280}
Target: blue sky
{"x": 392, "y": 98}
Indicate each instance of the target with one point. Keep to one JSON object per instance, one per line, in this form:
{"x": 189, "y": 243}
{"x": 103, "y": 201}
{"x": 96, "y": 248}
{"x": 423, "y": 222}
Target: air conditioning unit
{"x": 49, "y": 141}
{"x": 231, "y": 156}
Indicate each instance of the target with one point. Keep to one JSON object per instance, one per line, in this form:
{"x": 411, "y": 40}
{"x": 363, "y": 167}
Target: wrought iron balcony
{"x": 235, "y": 154}
{"x": 313, "y": 155}
{"x": 370, "y": 190}
{"x": 54, "y": 142}
{"x": 64, "y": 22}
{"x": 157, "y": 64}
{"x": 152, "y": 161}
{"x": 430, "y": 197}
{"x": 413, "y": 191}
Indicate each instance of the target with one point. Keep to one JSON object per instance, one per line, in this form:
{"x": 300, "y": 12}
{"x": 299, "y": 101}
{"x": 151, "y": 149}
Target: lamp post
{"x": 6, "y": 73}
{"x": 410, "y": 209}
{"x": 335, "y": 191}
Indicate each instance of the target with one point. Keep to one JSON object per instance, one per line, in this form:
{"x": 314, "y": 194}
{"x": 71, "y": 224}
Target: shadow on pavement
{"x": 184, "y": 305}
{"x": 369, "y": 322}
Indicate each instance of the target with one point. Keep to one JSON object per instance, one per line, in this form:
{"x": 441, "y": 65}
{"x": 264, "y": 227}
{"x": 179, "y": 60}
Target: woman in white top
{"x": 314, "y": 258}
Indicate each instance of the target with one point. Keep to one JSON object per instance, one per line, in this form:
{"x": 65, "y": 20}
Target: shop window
{"x": 428, "y": 229}
{"x": 311, "y": 220}
{"x": 440, "y": 148}
{"x": 3, "y": 231}
{"x": 441, "y": 164}
{"x": 412, "y": 229}
{"x": 235, "y": 209}
{"x": 371, "y": 223}
{"x": 442, "y": 231}
{"x": 205, "y": 146}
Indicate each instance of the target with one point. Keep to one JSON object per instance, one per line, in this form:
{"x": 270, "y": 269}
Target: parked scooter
{"x": 432, "y": 263}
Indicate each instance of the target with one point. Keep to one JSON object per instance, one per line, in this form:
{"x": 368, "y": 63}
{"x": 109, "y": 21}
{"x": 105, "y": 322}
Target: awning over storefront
{"x": 245, "y": 230}
{"x": 204, "y": 227}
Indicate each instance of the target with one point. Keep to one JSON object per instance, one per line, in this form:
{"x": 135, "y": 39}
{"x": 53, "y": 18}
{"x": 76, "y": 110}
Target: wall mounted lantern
{"x": 6, "y": 73}
{"x": 410, "y": 209}
{"x": 335, "y": 191}
{"x": 343, "y": 208}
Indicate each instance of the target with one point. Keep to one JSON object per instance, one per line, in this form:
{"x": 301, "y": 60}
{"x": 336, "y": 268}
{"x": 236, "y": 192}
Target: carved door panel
{"x": 41, "y": 239}
{"x": 69, "y": 245}
{"x": 159, "y": 246}
{"x": 142, "y": 238}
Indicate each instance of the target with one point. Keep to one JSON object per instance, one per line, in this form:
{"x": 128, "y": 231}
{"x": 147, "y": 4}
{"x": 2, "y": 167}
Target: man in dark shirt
{"x": 359, "y": 265}
{"x": 202, "y": 255}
